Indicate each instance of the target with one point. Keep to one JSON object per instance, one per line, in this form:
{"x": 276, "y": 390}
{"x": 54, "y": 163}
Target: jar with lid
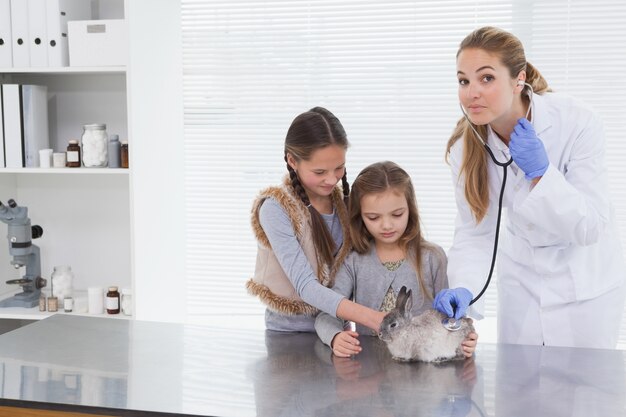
{"x": 95, "y": 145}
{"x": 124, "y": 154}
{"x": 127, "y": 301}
{"x": 114, "y": 151}
{"x": 62, "y": 281}
{"x": 113, "y": 301}
{"x": 73, "y": 155}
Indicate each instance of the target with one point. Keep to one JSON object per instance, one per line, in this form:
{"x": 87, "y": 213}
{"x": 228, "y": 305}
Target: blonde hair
{"x": 510, "y": 51}
{"x": 377, "y": 178}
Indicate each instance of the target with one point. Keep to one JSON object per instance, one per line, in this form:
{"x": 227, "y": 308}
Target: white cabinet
{"x": 85, "y": 212}
{"x": 119, "y": 227}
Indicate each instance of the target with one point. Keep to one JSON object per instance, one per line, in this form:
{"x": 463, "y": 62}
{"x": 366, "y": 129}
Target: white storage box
{"x": 95, "y": 43}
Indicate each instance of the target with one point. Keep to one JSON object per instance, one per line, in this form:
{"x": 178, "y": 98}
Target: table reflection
{"x": 301, "y": 377}
{"x": 552, "y": 381}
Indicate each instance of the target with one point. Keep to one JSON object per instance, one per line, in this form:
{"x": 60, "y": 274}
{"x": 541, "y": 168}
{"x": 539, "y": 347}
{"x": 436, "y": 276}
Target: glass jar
{"x": 62, "y": 281}
{"x": 95, "y": 144}
{"x": 127, "y": 302}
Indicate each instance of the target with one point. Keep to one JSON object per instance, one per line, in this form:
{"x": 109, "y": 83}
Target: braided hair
{"x": 310, "y": 131}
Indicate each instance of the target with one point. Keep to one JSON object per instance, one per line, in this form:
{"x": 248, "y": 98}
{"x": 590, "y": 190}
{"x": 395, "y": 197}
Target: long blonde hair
{"x": 377, "y": 178}
{"x": 510, "y": 51}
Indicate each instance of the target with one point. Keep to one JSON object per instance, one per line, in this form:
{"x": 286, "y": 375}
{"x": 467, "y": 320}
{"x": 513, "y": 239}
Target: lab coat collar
{"x": 540, "y": 116}
{"x": 541, "y": 121}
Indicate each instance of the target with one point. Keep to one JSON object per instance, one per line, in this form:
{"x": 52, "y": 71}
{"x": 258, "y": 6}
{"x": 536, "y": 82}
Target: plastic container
{"x": 95, "y": 300}
{"x": 114, "y": 151}
{"x": 95, "y": 145}
{"x": 127, "y": 302}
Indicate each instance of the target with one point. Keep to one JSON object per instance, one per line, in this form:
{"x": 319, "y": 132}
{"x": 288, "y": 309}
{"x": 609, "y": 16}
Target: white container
{"x": 95, "y": 144}
{"x": 62, "y": 281}
{"x": 95, "y": 43}
{"x": 45, "y": 156}
{"x": 127, "y": 301}
{"x": 58, "y": 160}
{"x": 95, "y": 300}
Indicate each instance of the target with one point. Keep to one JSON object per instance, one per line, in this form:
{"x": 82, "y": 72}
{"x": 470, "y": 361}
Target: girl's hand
{"x": 469, "y": 345}
{"x": 346, "y": 344}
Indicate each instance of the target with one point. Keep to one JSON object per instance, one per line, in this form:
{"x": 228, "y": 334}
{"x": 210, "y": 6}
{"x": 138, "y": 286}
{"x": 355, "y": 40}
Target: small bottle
{"x": 127, "y": 302}
{"x": 114, "y": 151}
{"x": 42, "y": 302}
{"x": 73, "y": 154}
{"x": 53, "y": 304}
{"x": 113, "y": 301}
{"x": 68, "y": 304}
{"x": 124, "y": 154}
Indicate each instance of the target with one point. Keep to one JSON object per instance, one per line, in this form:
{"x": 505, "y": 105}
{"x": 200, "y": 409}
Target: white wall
{"x": 156, "y": 158}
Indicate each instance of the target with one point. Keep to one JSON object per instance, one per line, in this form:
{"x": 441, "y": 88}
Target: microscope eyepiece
{"x": 36, "y": 231}
{"x": 12, "y": 203}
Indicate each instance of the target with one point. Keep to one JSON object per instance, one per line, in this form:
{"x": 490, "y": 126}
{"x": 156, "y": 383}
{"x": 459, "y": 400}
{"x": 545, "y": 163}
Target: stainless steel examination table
{"x": 103, "y": 366}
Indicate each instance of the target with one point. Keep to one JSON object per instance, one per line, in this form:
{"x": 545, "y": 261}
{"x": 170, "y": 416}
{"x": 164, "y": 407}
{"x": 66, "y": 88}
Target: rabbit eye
{"x": 394, "y": 324}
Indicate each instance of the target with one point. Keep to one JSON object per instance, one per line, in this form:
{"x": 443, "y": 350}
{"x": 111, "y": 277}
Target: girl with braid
{"x": 302, "y": 230}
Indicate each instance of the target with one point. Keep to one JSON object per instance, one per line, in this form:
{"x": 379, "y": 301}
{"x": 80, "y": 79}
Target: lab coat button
{"x": 530, "y": 226}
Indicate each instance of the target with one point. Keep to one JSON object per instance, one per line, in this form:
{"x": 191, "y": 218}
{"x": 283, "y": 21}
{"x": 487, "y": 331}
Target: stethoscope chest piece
{"x": 451, "y": 324}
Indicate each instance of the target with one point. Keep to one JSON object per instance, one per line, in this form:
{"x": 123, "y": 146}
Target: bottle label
{"x": 113, "y": 303}
{"x": 72, "y": 156}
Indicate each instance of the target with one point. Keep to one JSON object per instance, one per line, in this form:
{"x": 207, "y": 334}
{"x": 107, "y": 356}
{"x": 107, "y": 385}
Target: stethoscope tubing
{"x": 504, "y": 166}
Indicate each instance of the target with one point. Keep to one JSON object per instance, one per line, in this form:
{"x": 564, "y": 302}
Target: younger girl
{"x": 389, "y": 252}
{"x": 301, "y": 227}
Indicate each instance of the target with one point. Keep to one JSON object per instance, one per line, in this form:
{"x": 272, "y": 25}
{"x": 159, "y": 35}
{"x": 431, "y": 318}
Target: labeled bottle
{"x": 114, "y": 151}
{"x": 124, "y": 154}
{"x": 42, "y": 302}
{"x": 113, "y": 301}
{"x": 53, "y": 304}
{"x": 95, "y": 145}
{"x": 68, "y": 304}
{"x": 73, "y": 154}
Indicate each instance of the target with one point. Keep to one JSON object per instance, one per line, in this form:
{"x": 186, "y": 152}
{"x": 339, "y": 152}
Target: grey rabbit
{"x": 423, "y": 337}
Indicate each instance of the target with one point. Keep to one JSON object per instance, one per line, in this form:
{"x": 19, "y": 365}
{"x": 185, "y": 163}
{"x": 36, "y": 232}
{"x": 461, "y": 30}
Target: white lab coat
{"x": 559, "y": 248}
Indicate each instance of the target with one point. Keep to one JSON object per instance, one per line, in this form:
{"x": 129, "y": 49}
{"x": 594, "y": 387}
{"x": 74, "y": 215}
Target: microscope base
{"x": 23, "y": 299}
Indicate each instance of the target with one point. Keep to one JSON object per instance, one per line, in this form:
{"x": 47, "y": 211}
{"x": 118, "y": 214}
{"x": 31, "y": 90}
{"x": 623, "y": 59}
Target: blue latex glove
{"x": 527, "y": 150}
{"x": 447, "y": 300}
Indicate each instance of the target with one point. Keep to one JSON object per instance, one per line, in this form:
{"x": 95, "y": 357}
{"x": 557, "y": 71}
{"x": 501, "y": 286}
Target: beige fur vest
{"x": 270, "y": 282}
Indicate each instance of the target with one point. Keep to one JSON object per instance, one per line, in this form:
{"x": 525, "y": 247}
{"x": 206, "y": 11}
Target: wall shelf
{"x": 65, "y": 70}
{"x": 68, "y": 171}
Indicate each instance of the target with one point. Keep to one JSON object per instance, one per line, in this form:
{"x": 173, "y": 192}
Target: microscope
{"x": 24, "y": 254}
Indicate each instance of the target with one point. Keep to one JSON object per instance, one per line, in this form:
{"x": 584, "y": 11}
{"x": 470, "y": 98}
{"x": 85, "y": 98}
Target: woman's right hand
{"x": 346, "y": 344}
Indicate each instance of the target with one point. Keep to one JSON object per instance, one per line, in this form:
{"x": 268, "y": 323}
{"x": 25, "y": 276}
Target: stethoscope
{"x": 451, "y": 323}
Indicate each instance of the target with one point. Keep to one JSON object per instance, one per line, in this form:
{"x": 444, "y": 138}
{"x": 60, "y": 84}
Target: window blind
{"x": 387, "y": 71}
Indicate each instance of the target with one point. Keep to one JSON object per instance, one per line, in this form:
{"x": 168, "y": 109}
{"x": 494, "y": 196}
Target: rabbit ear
{"x": 408, "y": 305}
{"x": 402, "y": 299}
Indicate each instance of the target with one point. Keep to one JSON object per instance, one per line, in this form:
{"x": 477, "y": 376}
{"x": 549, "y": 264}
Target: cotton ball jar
{"x": 94, "y": 143}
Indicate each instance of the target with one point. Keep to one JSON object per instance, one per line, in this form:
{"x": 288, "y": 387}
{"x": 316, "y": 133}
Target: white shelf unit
{"x": 85, "y": 212}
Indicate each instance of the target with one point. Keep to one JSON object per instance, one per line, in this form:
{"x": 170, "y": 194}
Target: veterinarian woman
{"x": 560, "y": 263}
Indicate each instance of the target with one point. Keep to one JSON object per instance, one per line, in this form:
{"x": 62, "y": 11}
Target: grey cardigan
{"x": 371, "y": 279}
